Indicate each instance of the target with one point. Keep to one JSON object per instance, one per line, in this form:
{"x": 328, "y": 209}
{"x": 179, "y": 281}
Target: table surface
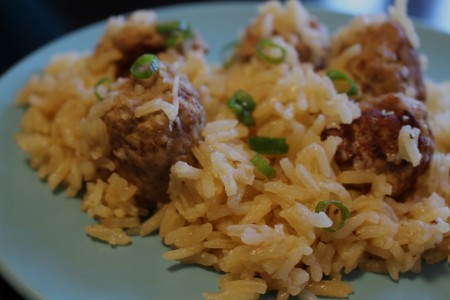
{"x": 54, "y": 18}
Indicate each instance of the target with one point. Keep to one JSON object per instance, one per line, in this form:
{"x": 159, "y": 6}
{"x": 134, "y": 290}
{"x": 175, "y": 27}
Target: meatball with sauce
{"x": 383, "y": 60}
{"x": 372, "y": 141}
{"x": 152, "y": 123}
{"x": 127, "y": 39}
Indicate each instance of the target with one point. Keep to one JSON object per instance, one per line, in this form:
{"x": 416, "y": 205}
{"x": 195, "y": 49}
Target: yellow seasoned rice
{"x": 263, "y": 234}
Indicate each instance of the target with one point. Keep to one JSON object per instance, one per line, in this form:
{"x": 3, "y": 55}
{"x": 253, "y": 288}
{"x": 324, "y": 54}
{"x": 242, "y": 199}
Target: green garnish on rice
{"x": 229, "y": 54}
{"x": 103, "y": 81}
{"x": 336, "y": 75}
{"x": 263, "y": 166}
{"x": 268, "y": 145}
{"x": 242, "y": 104}
{"x": 264, "y": 48}
{"x": 345, "y": 212}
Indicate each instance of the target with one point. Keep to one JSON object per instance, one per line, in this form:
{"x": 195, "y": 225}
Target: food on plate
{"x": 287, "y": 167}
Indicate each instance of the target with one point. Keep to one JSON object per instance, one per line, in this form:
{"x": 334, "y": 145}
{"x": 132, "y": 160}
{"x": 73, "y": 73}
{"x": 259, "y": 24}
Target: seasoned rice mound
{"x": 263, "y": 234}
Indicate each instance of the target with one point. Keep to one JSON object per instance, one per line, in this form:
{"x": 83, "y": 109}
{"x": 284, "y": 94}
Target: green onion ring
{"x": 345, "y": 212}
{"x": 229, "y": 54}
{"x": 261, "y": 164}
{"x": 267, "y": 145}
{"x": 102, "y": 81}
{"x": 171, "y": 26}
{"x": 174, "y": 39}
{"x": 177, "y": 32}
{"x": 145, "y": 66}
{"x": 265, "y": 43}
{"x": 242, "y": 104}
{"x": 339, "y": 75}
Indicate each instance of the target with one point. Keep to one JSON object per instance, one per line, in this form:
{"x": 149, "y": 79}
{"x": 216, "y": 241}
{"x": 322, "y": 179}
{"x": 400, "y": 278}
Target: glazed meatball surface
{"x": 145, "y": 147}
{"x": 371, "y": 141}
{"x": 386, "y": 63}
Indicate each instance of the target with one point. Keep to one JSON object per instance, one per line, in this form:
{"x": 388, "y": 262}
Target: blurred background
{"x": 26, "y": 25}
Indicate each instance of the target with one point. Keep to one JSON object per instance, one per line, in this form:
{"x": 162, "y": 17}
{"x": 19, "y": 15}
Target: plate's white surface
{"x": 44, "y": 252}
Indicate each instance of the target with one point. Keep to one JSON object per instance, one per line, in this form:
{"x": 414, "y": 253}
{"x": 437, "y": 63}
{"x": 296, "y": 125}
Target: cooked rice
{"x": 263, "y": 234}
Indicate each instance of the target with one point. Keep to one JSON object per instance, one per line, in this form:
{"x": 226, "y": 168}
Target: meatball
{"x": 310, "y": 42}
{"x": 125, "y": 41}
{"x": 144, "y": 145}
{"x": 371, "y": 141}
{"x": 386, "y": 62}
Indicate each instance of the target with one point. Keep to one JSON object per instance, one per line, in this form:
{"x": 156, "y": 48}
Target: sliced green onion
{"x": 145, "y": 66}
{"x": 242, "y": 104}
{"x": 177, "y": 32}
{"x": 229, "y": 54}
{"x": 171, "y": 26}
{"x": 264, "y": 45}
{"x": 345, "y": 212}
{"x": 174, "y": 39}
{"x": 261, "y": 164}
{"x": 246, "y": 118}
{"x": 104, "y": 80}
{"x": 267, "y": 145}
{"x": 339, "y": 75}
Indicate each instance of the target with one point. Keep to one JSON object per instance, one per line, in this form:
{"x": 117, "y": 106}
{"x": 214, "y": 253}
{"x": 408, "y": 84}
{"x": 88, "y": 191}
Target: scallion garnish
{"x": 229, "y": 54}
{"x": 177, "y": 32}
{"x": 171, "y": 26}
{"x": 242, "y": 104}
{"x": 103, "y": 81}
{"x": 261, "y": 164}
{"x": 345, "y": 212}
{"x": 145, "y": 66}
{"x": 336, "y": 75}
{"x": 264, "y": 50}
{"x": 267, "y": 145}
{"x": 174, "y": 39}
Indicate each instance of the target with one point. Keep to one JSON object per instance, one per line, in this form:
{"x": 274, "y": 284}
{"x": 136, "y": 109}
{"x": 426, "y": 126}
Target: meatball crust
{"x": 371, "y": 141}
{"x": 145, "y": 147}
{"x": 387, "y": 62}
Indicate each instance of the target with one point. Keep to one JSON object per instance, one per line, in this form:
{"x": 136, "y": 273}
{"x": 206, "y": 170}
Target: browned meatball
{"x": 387, "y": 61}
{"x": 371, "y": 141}
{"x": 306, "y": 52}
{"x": 123, "y": 44}
{"x": 145, "y": 147}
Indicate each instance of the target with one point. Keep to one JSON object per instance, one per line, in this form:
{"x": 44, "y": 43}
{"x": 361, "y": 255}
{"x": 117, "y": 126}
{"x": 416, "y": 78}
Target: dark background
{"x": 26, "y": 25}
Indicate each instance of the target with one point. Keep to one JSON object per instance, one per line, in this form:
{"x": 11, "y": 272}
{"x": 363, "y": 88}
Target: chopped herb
{"x": 103, "y": 81}
{"x": 145, "y": 66}
{"x": 177, "y": 32}
{"x": 262, "y": 50}
{"x": 267, "y": 145}
{"x": 336, "y": 75}
{"x": 261, "y": 164}
{"x": 171, "y": 26}
{"x": 229, "y": 54}
{"x": 242, "y": 104}
{"x": 345, "y": 212}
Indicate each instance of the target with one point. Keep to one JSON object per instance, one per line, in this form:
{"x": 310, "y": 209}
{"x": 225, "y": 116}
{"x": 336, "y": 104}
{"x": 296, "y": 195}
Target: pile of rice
{"x": 263, "y": 234}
